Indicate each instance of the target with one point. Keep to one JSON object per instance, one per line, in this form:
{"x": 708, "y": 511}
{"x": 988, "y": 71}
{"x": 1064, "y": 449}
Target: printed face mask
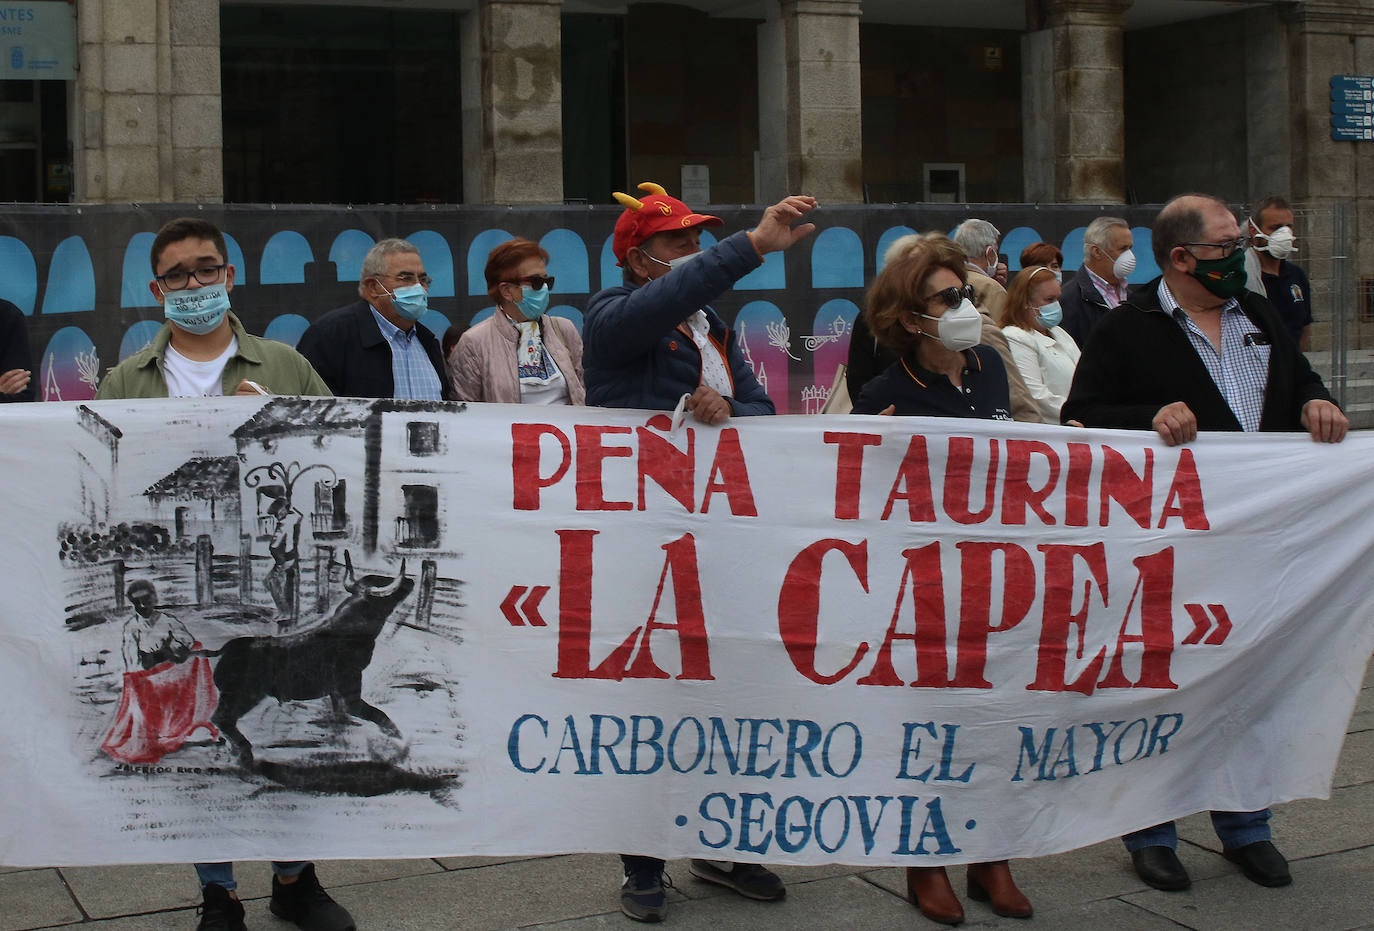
{"x": 959, "y": 328}
{"x": 198, "y": 310}
{"x": 1223, "y": 277}
{"x": 533, "y": 302}
{"x": 410, "y": 302}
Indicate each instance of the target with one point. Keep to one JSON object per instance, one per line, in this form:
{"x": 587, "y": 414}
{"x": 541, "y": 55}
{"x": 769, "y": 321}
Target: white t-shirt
{"x": 187, "y": 378}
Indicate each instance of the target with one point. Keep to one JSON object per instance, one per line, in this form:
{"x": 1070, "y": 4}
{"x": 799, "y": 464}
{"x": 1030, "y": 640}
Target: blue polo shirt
{"x": 1291, "y": 295}
{"x": 916, "y": 392}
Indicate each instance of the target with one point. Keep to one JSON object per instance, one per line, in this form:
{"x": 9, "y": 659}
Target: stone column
{"x": 810, "y": 106}
{"x": 149, "y": 124}
{"x": 512, "y": 85}
{"x": 1073, "y": 113}
{"x": 1327, "y": 38}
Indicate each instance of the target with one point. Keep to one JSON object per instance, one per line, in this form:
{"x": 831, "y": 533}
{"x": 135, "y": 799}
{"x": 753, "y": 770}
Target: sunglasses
{"x": 952, "y": 297}
{"x": 534, "y": 281}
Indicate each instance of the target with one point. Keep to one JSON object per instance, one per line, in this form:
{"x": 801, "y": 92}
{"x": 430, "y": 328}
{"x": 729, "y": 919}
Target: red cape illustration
{"x": 160, "y": 708}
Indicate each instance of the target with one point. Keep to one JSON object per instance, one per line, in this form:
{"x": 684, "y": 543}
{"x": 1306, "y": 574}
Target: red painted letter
{"x": 975, "y": 612}
{"x": 1059, "y": 617}
{"x": 849, "y": 468}
{"x": 524, "y": 463}
{"x": 734, "y": 477}
{"x": 799, "y": 605}
{"x": 590, "y": 455}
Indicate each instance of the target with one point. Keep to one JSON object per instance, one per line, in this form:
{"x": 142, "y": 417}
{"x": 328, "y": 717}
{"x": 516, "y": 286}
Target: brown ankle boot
{"x": 992, "y": 882}
{"x": 929, "y": 890}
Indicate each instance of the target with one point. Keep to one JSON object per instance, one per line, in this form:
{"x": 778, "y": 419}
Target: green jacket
{"x": 276, "y": 366}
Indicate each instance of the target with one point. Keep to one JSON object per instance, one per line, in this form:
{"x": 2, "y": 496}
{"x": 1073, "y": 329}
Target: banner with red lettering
{"x": 295, "y": 628}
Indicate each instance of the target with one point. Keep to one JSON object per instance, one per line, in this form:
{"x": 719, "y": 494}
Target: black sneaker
{"x": 748, "y": 879}
{"x": 644, "y": 894}
{"x": 307, "y": 904}
{"x": 219, "y": 911}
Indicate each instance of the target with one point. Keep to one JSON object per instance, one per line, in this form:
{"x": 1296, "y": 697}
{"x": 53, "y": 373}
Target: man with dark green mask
{"x": 1194, "y": 350}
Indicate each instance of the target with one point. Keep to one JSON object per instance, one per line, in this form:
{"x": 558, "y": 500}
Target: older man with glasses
{"x": 373, "y": 348}
{"x": 1194, "y": 350}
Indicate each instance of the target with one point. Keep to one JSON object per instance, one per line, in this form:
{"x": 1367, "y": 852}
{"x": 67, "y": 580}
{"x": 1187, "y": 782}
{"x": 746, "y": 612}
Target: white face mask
{"x": 960, "y": 327}
{"x": 1280, "y": 244}
{"x": 1124, "y": 265}
{"x": 671, "y": 264}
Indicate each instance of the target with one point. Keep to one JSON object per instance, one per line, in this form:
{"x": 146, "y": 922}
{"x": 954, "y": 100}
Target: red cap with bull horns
{"x": 652, "y": 214}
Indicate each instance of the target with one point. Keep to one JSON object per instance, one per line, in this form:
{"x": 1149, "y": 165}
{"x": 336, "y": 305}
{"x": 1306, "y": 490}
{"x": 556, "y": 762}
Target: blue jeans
{"x": 222, "y": 874}
{"x": 1234, "y": 828}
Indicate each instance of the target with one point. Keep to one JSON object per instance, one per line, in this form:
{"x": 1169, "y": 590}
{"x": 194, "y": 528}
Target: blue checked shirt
{"x": 412, "y": 373}
{"x": 1241, "y": 369}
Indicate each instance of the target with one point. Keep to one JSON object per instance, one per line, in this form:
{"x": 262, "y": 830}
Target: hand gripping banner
{"x": 296, "y": 628}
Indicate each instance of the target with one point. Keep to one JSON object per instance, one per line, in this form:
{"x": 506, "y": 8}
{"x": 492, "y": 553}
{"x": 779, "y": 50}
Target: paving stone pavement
{"x": 1329, "y": 844}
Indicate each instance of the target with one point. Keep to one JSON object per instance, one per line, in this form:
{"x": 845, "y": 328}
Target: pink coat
{"x": 482, "y": 365}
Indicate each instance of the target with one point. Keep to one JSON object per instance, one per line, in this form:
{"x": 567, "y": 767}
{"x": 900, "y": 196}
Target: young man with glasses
{"x": 1194, "y": 350}
{"x": 204, "y": 351}
{"x": 373, "y": 348}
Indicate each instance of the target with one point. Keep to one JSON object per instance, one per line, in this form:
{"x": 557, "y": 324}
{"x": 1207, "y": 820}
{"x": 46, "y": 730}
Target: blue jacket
{"x": 636, "y": 351}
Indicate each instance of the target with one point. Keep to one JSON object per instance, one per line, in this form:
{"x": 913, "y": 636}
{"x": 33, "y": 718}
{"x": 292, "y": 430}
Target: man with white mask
{"x": 648, "y": 344}
{"x": 1100, "y": 284}
{"x": 979, "y": 239}
{"x": 376, "y": 347}
{"x": 653, "y": 339}
{"x": 1270, "y": 273}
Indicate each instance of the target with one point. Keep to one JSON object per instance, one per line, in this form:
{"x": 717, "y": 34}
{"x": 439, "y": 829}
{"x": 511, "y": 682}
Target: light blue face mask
{"x": 533, "y": 302}
{"x": 1050, "y": 315}
{"x": 198, "y": 310}
{"x": 410, "y": 302}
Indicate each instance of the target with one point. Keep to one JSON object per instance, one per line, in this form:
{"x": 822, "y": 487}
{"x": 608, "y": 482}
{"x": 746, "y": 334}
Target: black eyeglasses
{"x": 1228, "y": 248}
{"x": 409, "y": 278}
{"x": 952, "y": 297}
{"x": 534, "y": 281}
{"x": 177, "y": 280}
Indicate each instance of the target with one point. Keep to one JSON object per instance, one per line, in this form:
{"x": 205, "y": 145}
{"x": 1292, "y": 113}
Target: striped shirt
{"x": 412, "y": 374}
{"x": 1241, "y": 369}
{"x": 1112, "y": 292}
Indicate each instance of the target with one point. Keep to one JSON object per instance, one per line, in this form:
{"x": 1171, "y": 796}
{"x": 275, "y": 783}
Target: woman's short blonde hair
{"x": 896, "y": 292}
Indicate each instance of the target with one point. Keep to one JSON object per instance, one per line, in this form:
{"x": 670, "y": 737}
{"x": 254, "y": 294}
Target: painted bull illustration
{"x": 323, "y": 662}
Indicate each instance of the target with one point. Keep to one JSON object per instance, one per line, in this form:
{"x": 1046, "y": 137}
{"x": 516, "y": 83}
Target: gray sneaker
{"x": 644, "y": 894}
{"x": 748, "y": 879}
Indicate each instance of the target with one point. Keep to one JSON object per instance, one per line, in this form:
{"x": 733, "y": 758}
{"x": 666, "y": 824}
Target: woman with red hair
{"x": 519, "y": 355}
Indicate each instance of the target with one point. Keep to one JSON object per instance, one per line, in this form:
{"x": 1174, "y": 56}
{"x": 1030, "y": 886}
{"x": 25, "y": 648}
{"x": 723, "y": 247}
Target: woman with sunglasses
{"x": 1044, "y": 352}
{"x": 519, "y": 355}
{"x": 920, "y": 307}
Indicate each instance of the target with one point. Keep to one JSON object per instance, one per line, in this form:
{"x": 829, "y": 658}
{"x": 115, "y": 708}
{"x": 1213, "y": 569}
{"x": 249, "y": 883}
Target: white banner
{"x": 306, "y": 628}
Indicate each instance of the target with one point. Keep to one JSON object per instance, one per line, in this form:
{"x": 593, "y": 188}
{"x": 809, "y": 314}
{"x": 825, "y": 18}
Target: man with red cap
{"x": 649, "y": 342}
{"x": 653, "y": 339}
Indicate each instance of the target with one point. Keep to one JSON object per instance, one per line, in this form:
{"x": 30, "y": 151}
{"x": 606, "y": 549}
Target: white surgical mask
{"x": 678, "y": 262}
{"x": 1124, "y": 265}
{"x": 1050, "y": 315}
{"x": 1280, "y": 244}
{"x": 959, "y": 328}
